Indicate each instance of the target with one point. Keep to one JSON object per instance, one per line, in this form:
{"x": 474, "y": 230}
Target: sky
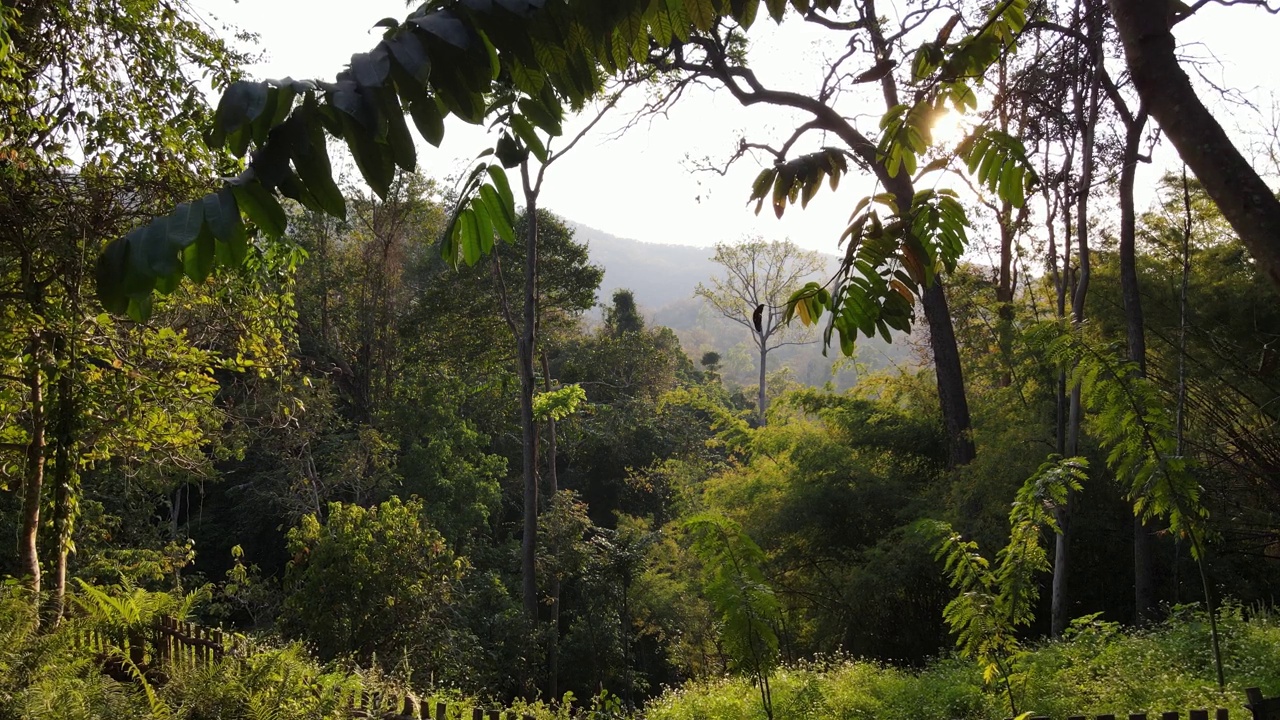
{"x": 646, "y": 183}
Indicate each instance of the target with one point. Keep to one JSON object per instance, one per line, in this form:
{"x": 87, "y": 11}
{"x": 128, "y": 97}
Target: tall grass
{"x": 1097, "y": 668}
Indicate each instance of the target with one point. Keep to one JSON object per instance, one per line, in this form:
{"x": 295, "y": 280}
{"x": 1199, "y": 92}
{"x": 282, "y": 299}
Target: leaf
{"x": 198, "y": 258}
{"x": 371, "y": 69}
{"x": 446, "y": 26}
{"x": 429, "y": 120}
{"x": 109, "y": 273}
{"x": 540, "y": 116}
{"x": 311, "y": 160}
{"x": 702, "y": 13}
{"x": 500, "y": 214}
{"x": 498, "y": 177}
{"x": 139, "y": 308}
{"x": 222, "y": 214}
{"x": 185, "y": 224}
{"x": 470, "y": 240}
{"x": 410, "y": 55}
{"x": 262, "y": 207}
{"x": 372, "y": 158}
{"x": 239, "y": 106}
{"x": 526, "y": 132}
{"x": 484, "y": 225}
{"x": 399, "y": 140}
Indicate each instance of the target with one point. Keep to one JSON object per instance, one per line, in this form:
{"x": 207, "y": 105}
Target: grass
{"x": 1098, "y": 668}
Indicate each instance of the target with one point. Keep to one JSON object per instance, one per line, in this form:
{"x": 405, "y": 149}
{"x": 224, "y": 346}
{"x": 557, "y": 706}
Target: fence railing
{"x": 176, "y": 642}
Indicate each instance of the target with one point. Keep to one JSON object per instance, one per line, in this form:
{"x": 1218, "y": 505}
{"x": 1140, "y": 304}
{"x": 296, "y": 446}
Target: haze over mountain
{"x": 663, "y": 278}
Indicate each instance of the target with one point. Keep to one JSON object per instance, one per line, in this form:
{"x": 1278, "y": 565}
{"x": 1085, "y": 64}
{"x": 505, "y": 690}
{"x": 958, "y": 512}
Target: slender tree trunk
{"x": 1240, "y": 193}
{"x": 1087, "y": 104}
{"x": 1144, "y": 602}
{"x": 762, "y": 400}
{"x": 33, "y": 479}
{"x": 529, "y": 543}
{"x": 950, "y": 376}
{"x": 553, "y": 487}
{"x": 942, "y": 336}
{"x": 64, "y": 474}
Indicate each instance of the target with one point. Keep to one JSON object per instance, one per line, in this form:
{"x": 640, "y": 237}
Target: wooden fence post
{"x": 441, "y": 711}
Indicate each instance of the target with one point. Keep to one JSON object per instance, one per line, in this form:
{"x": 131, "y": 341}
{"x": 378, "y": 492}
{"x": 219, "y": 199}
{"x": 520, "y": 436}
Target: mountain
{"x": 657, "y": 274}
{"x": 663, "y": 277}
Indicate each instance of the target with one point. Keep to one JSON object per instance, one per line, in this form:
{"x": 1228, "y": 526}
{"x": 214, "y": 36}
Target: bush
{"x": 1096, "y": 669}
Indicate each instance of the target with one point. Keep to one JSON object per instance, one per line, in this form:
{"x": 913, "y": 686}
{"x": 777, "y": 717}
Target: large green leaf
{"x": 525, "y": 131}
{"x": 372, "y": 157}
{"x": 311, "y": 160}
{"x": 198, "y": 258}
{"x": 186, "y": 222}
{"x": 501, "y": 215}
{"x": 154, "y": 250}
{"x": 109, "y": 273}
{"x": 400, "y": 142}
{"x": 240, "y": 105}
{"x": 262, "y": 207}
{"x": 429, "y": 120}
{"x": 541, "y": 116}
{"x": 410, "y": 55}
{"x": 222, "y": 214}
{"x": 445, "y": 25}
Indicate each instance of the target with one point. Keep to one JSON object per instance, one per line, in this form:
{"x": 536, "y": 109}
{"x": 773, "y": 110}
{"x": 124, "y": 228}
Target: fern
{"x": 992, "y": 603}
{"x": 1132, "y": 422}
{"x": 734, "y": 582}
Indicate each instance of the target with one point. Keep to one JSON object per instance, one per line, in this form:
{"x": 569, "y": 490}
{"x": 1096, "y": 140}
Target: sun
{"x": 949, "y": 128}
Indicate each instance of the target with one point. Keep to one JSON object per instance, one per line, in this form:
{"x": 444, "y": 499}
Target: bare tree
{"x": 759, "y": 277}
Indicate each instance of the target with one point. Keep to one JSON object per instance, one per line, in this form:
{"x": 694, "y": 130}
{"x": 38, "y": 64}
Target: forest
{"x": 263, "y": 372}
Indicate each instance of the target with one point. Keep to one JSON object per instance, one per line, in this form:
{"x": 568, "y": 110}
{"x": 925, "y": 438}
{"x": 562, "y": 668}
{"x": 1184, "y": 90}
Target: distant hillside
{"x": 663, "y": 277}
{"x": 658, "y": 275}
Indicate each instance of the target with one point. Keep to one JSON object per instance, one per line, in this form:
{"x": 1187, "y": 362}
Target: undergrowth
{"x": 1098, "y": 668}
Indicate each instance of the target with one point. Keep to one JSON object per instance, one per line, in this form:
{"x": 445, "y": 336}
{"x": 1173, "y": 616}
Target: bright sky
{"x": 642, "y": 185}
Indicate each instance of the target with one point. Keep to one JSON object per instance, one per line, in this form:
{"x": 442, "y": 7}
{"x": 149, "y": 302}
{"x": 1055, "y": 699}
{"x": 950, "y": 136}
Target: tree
{"x": 623, "y": 316}
{"x": 378, "y": 580}
{"x": 114, "y": 84}
{"x": 759, "y": 278}
{"x": 1245, "y": 200}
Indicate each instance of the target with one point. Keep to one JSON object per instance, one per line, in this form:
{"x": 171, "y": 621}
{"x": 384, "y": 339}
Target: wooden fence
{"x": 171, "y": 641}
{"x": 407, "y": 708}
{"x": 1218, "y": 714}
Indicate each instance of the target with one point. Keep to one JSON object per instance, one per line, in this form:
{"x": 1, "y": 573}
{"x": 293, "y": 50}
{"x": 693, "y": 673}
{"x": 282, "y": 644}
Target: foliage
{"x": 1136, "y": 427}
{"x": 1097, "y": 669}
{"x": 373, "y": 581}
{"x": 993, "y": 602}
{"x": 734, "y": 583}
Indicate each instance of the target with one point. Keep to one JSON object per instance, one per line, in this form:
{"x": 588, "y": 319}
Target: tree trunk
{"x": 33, "y": 478}
{"x": 1240, "y": 193}
{"x": 950, "y": 376}
{"x": 762, "y": 400}
{"x": 553, "y": 487}
{"x": 64, "y": 472}
{"x": 529, "y": 543}
{"x": 1087, "y": 104}
{"x": 1144, "y": 602}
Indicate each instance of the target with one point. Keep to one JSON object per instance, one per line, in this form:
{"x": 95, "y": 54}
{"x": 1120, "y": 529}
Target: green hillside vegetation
{"x": 364, "y": 427}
